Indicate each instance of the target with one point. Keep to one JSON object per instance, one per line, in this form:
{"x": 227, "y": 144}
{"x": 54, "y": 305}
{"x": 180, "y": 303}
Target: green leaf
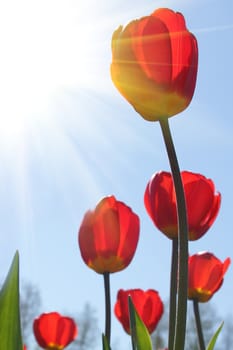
{"x": 10, "y": 329}
{"x": 139, "y": 333}
{"x": 105, "y": 343}
{"x": 212, "y": 342}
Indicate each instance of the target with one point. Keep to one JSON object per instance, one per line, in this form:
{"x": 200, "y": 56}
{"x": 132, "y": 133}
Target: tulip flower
{"x": 154, "y": 64}
{"x": 148, "y": 304}
{"x": 53, "y": 331}
{"x": 202, "y": 202}
{"x": 205, "y": 276}
{"x": 108, "y": 236}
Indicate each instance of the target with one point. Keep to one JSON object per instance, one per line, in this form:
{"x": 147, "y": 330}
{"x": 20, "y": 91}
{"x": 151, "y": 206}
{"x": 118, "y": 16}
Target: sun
{"x": 46, "y": 47}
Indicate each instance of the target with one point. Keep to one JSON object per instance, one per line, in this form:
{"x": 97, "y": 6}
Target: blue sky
{"x": 68, "y": 138}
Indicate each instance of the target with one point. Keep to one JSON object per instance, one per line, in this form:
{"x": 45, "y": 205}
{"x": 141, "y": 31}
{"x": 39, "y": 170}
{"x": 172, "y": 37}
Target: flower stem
{"x": 173, "y": 290}
{"x": 107, "y": 306}
{"x": 198, "y": 324}
{"x": 182, "y": 276}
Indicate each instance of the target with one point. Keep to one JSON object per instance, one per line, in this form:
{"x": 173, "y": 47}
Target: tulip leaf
{"x": 139, "y": 333}
{"x": 10, "y": 329}
{"x": 212, "y": 342}
{"x": 106, "y": 346}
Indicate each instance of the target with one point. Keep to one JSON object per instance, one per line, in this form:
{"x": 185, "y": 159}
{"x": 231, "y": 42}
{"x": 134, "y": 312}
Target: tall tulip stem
{"x": 198, "y": 324}
{"x": 107, "y": 306}
{"x": 182, "y": 272}
{"x": 173, "y": 291}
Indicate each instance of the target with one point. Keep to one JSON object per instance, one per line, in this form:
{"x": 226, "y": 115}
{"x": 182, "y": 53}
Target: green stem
{"x": 181, "y": 312}
{"x": 107, "y": 307}
{"x": 198, "y": 324}
{"x": 173, "y": 291}
{"x": 132, "y": 323}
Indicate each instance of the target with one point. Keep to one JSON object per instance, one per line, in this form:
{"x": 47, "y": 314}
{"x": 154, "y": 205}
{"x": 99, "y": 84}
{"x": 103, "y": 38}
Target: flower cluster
{"x": 154, "y": 66}
{"x": 108, "y": 238}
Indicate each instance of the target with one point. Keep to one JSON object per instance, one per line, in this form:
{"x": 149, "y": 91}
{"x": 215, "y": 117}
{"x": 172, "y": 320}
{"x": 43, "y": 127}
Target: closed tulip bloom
{"x": 154, "y": 64}
{"x": 53, "y": 331}
{"x": 148, "y": 304}
{"x": 202, "y": 203}
{"x": 206, "y": 274}
{"x": 108, "y": 236}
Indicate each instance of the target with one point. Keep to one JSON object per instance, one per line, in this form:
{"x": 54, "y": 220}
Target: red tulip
{"x": 202, "y": 203}
{"x": 53, "y": 331}
{"x": 108, "y": 236}
{"x": 206, "y": 274}
{"x": 154, "y": 64}
{"x": 147, "y": 303}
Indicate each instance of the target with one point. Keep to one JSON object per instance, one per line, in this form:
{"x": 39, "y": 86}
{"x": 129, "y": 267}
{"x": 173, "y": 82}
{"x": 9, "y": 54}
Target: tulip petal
{"x": 160, "y": 203}
{"x": 66, "y": 330}
{"x": 107, "y": 233}
{"x": 86, "y": 238}
{"x": 184, "y": 51}
{"x": 210, "y": 218}
{"x": 226, "y": 264}
{"x": 129, "y": 227}
{"x": 152, "y": 49}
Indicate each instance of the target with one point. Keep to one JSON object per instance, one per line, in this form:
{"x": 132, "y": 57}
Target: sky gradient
{"x": 68, "y": 138}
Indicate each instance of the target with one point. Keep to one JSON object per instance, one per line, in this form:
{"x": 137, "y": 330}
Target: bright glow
{"x": 54, "y": 66}
{"x": 47, "y": 51}
{"x": 45, "y": 48}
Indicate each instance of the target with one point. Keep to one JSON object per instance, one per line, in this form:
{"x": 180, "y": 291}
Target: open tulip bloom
{"x": 154, "y": 64}
{"x": 108, "y": 236}
{"x": 147, "y": 303}
{"x": 54, "y": 331}
{"x": 206, "y": 274}
{"x": 202, "y": 201}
